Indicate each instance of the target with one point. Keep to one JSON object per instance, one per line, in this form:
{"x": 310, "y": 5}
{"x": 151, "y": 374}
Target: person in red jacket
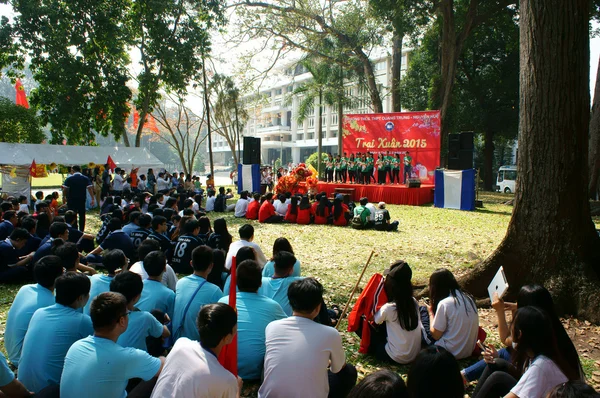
{"x": 321, "y": 211}
{"x": 292, "y": 212}
{"x": 304, "y": 211}
{"x": 252, "y": 212}
{"x": 340, "y": 212}
{"x": 266, "y": 213}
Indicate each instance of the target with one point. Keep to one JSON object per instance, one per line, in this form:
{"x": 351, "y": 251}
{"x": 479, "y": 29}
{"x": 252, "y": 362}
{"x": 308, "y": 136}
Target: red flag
{"x": 110, "y": 163}
{"x": 21, "y": 98}
{"x": 33, "y": 169}
{"x": 228, "y": 356}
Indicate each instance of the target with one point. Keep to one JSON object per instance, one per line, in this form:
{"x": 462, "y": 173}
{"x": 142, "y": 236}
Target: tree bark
{"x": 488, "y": 155}
{"x": 551, "y": 238}
{"x": 126, "y": 138}
{"x": 371, "y": 81}
{"x": 594, "y": 153}
{"x": 396, "y": 71}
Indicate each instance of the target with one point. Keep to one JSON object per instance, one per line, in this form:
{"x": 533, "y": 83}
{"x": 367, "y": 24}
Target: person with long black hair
{"x": 534, "y": 295}
{"x": 340, "y": 211}
{"x": 280, "y": 245}
{"x": 220, "y": 238}
{"x": 538, "y": 364}
{"x": 304, "y": 211}
{"x": 401, "y": 316}
{"x": 292, "y": 212}
{"x": 322, "y": 211}
{"x": 453, "y": 315}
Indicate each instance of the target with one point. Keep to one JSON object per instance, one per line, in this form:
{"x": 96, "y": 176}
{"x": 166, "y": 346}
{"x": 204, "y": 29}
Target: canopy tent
{"x": 126, "y": 157}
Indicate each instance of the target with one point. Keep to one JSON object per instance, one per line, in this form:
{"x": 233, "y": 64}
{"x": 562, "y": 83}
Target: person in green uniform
{"x": 407, "y": 166}
{"x": 351, "y": 169}
{"x": 396, "y": 169}
{"x": 381, "y": 169}
{"x": 389, "y": 158}
{"x": 344, "y": 167}
{"x": 370, "y": 167}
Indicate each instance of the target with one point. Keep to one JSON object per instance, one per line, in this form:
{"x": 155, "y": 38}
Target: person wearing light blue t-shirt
{"x": 155, "y": 295}
{"x": 133, "y": 225}
{"x": 98, "y": 367}
{"x": 111, "y": 261}
{"x": 254, "y": 313}
{"x": 53, "y": 330}
{"x": 276, "y": 288}
{"x": 9, "y": 385}
{"x": 280, "y": 245}
{"x": 142, "y": 324}
{"x": 29, "y": 299}
{"x": 192, "y": 293}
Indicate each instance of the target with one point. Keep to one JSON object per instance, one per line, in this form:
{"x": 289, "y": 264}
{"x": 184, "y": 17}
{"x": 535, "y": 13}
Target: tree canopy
{"x": 18, "y": 124}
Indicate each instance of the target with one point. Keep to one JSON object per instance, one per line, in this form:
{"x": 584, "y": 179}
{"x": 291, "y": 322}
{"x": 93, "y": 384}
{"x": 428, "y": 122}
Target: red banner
{"x": 415, "y": 132}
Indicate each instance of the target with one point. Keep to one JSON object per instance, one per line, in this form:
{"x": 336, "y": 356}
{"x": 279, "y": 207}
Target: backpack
{"x": 356, "y": 222}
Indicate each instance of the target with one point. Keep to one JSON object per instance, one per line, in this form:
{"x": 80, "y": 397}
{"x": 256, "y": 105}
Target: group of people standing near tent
{"x": 367, "y": 168}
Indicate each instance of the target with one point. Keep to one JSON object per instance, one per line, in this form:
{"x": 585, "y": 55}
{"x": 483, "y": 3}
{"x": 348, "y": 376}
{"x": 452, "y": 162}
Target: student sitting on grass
{"x": 192, "y": 368}
{"x": 192, "y": 293}
{"x": 402, "y": 318}
{"x": 254, "y": 312}
{"x": 304, "y": 212}
{"x": 381, "y": 384}
{"x": 33, "y": 242}
{"x": 58, "y": 230}
{"x": 246, "y": 233}
{"x": 573, "y": 389}
{"x": 52, "y": 330}
{"x": 141, "y": 324}
{"x": 253, "y": 208}
{"x": 112, "y": 261}
{"x": 435, "y": 373}
{"x": 340, "y": 211}
{"x": 362, "y": 215}
{"x": 266, "y": 213}
{"x": 453, "y": 315}
{"x": 280, "y": 245}
{"x": 98, "y": 367}
{"x": 538, "y": 362}
{"x": 116, "y": 239}
{"x": 13, "y": 267}
{"x": 182, "y": 253}
{"x": 70, "y": 256}
{"x": 155, "y": 295}
{"x": 84, "y": 242}
{"x": 29, "y": 299}
{"x": 529, "y": 295}
{"x": 277, "y": 287}
{"x": 9, "y": 385}
{"x": 292, "y": 211}
{"x": 304, "y": 358}
{"x": 169, "y": 277}
{"x": 321, "y": 211}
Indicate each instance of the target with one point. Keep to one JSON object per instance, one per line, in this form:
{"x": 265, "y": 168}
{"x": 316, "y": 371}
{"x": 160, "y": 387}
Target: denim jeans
{"x": 475, "y": 371}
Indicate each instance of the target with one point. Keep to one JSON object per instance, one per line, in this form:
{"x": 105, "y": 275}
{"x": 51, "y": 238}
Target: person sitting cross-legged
{"x": 193, "y": 292}
{"x": 192, "y": 369}
{"x": 155, "y": 295}
{"x": 382, "y": 219}
{"x": 52, "y": 331}
{"x": 362, "y": 215}
{"x": 300, "y": 351}
{"x": 255, "y": 312}
{"x": 29, "y": 299}
{"x": 141, "y": 323}
{"x": 98, "y": 367}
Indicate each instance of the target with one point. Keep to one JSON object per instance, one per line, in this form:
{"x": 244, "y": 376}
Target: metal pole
{"x": 237, "y": 129}
{"x": 281, "y": 148}
{"x": 207, "y": 106}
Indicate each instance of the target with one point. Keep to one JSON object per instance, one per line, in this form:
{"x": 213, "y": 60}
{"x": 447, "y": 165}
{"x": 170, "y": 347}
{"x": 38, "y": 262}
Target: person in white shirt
{"x": 162, "y": 183}
{"x": 210, "y": 200}
{"x": 118, "y": 181}
{"x": 280, "y": 205}
{"x": 372, "y": 209}
{"x": 401, "y": 316}
{"x": 299, "y": 351}
{"x": 241, "y": 205}
{"x": 453, "y": 315}
{"x": 246, "y": 232}
{"x": 192, "y": 369}
{"x": 169, "y": 277}
{"x": 537, "y": 359}
{"x": 142, "y": 184}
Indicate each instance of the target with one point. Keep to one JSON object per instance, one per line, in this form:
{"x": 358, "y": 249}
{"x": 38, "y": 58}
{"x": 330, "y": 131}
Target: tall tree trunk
{"x": 551, "y": 238}
{"x": 126, "y": 138}
{"x": 594, "y": 154}
{"x": 371, "y": 81}
{"x": 396, "y": 70}
{"x": 340, "y": 136}
{"x": 488, "y": 160}
{"x": 319, "y": 134}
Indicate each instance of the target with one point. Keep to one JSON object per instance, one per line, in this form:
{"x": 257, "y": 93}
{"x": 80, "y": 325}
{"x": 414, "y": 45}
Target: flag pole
{"x": 354, "y": 290}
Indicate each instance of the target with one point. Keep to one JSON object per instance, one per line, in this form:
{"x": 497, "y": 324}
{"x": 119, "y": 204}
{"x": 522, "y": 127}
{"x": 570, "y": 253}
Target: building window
{"x": 379, "y": 66}
{"x": 278, "y": 91}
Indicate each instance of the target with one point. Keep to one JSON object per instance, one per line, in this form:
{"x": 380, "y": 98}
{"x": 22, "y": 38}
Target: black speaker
{"x": 251, "y": 150}
{"x": 413, "y": 183}
{"x": 460, "y": 151}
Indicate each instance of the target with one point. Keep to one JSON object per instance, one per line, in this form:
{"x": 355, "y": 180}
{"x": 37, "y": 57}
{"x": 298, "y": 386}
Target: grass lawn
{"x": 429, "y": 238}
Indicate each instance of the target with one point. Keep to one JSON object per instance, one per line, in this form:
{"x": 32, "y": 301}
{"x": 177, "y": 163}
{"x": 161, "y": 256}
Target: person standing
{"x": 75, "y": 189}
{"x": 407, "y": 166}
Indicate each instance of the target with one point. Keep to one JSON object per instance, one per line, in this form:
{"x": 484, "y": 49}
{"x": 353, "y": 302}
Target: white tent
{"x": 125, "y": 157}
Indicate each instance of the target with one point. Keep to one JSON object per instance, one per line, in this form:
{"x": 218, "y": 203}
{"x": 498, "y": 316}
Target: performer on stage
{"x": 344, "y": 167}
{"x": 370, "y": 167}
{"x": 352, "y": 169}
{"x": 364, "y": 173}
{"x": 388, "y": 166}
{"x": 329, "y": 168}
{"x": 337, "y": 167}
{"x": 407, "y": 166}
{"x": 381, "y": 169}
{"x": 396, "y": 169}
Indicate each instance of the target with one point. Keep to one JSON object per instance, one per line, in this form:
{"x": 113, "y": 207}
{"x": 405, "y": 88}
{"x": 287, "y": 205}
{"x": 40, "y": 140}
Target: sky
{"x": 221, "y": 45}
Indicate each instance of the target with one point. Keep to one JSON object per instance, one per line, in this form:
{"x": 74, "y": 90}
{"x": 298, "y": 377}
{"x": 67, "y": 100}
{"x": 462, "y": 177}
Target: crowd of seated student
{"x": 131, "y": 307}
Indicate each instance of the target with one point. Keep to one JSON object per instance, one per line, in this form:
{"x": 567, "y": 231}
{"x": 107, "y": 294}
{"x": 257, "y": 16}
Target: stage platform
{"x": 392, "y": 194}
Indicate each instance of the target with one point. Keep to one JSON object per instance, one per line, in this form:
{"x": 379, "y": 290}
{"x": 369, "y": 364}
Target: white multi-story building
{"x": 273, "y": 114}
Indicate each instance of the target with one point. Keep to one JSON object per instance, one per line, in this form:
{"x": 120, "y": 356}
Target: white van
{"x": 507, "y": 177}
